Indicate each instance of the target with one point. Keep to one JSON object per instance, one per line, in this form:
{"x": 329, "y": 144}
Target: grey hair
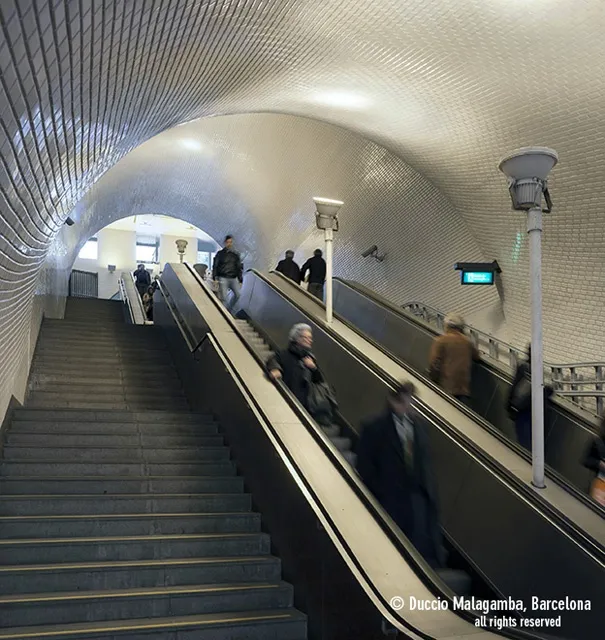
{"x": 454, "y": 320}
{"x": 296, "y": 331}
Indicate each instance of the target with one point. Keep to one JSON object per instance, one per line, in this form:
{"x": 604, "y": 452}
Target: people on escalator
{"x": 288, "y": 267}
{"x": 451, "y": 359}
{"x": 519, "y": 401}
{"x": 316, "y": 266}
{"x": 297, "y": 367}
{"x": 595, "y": 461}
{"x": 393, "y": 460}
{"x": 148, "y": 301}
{"x": 142, "y": 279}
{"x": 228, "y": 273}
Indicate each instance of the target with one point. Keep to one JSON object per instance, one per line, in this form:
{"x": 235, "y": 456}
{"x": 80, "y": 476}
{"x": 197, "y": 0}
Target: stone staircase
{"x": 121, "y": 514}
{"x": 262, "y": 349}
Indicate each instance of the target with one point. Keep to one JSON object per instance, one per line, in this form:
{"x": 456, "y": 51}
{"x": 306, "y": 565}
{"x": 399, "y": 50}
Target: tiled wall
{"x": 448, "y": 86}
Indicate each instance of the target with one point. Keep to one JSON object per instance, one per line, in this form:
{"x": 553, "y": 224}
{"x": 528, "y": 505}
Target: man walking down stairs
{"x": 121, "y": 514}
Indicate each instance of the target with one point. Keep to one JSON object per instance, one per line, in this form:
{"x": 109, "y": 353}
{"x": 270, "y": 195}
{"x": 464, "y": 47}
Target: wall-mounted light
{"x": 372, "y": 252}
{"x": 111, "y": 268}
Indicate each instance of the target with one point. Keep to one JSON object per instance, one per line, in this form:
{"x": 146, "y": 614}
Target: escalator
{"x": 408, "y": 339}
{"x": 514, "y": 539}
{"x": 350, "y": 566}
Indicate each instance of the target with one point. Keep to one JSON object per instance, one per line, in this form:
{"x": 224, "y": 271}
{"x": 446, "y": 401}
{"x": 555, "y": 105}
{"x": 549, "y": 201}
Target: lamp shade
{"x": 327, "y": 207}
{"x": 529, "y": 162}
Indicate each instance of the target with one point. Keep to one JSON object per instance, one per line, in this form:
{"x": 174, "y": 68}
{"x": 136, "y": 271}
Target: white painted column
{"x": 329, "y": 237}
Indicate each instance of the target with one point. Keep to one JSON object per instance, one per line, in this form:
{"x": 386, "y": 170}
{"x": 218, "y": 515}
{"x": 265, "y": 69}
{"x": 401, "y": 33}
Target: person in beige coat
{"x": 451, "y": 359}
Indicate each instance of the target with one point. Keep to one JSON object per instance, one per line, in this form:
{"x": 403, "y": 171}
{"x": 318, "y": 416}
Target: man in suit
{"x": 393, "y": 459}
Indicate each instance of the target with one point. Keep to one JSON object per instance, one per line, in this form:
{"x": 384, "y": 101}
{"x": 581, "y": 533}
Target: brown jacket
{"x": 451, "y": 362}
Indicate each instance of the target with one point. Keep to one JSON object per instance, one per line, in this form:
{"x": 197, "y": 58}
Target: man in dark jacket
{"x": 142, "y": 279}
{"x": 289, "y": 268}
{"x": 316, "y": 266}
{"x": 297, "y": 367}
{"x": 228, "y": 271}
{"x": 393, "y": 459}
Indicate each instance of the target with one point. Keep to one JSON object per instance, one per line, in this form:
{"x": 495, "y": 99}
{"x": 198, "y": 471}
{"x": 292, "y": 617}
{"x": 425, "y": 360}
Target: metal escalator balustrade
{"x": 524, "y": 542}
{"x": 408, "y": 341}
{"x": 581, "y": 383}
{"x": 258, "y": 417}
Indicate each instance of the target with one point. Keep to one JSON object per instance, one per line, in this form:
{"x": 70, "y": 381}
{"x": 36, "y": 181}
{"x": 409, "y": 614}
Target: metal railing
{"x": 131, "y": 298}
{"x": 582, "y": 383}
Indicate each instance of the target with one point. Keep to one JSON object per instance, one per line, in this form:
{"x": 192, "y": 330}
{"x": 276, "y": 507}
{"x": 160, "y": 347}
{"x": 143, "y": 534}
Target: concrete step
{"x": 75, "y": 327}
{"x": 89, "y": 369}
{"x": 271, "y": 624}
{"x": 92, "y": 384}
{"x": 136, "y": 574}
{"x": 146, "y": 429}
{"x": 82, "y": 468}
{"x": 114, "y": 454}
{"x": 128, "y": 524}
{"x": 90, "y": 606}
{"x": 43, "y": 439}
{"x": 53, "y": 348}
{"x": 100, "y": 392}
{"x": 22, "y": 505}
{"x": 43, "y": 400}
{"x": 108, "y": 485}
{"x": 92, "y": 376}
{"x": 148, "y": 359}
{"x": 75, "y": 415}
{"x": 30, "y": 551}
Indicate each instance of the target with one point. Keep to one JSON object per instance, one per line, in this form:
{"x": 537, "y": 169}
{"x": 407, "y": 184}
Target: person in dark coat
{"x": 316, "y": 266}
{"x": 289, "y": 268}
{"x": 228, "y": 272}
{"x": 595, "y": 453}
{"x": 393, "y": 460}
{"x": 519, "y": 402}
{"x": 297, "y": 367}
{"x": 142, "y": 279}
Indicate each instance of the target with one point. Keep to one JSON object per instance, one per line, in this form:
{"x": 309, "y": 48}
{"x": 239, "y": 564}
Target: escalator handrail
{"x": 539, "y": 503}
{"x": 493, "y": 366}
{"x": 551, "y": 473}
{"x": 410, "y": 554}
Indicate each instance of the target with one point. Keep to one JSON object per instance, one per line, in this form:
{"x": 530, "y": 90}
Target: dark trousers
{"x": 523, "y": 429}
{"x": 316, "y": 289}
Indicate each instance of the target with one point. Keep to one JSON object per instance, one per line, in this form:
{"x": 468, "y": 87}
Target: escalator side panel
{"x": 324, "y": 587}
{"x": 409, "y": 341}
{"x": 484, "y": 517}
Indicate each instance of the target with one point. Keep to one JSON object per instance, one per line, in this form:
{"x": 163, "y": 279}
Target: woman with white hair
{"x": 451, "y": 359}
{"x": 297, "y": 367}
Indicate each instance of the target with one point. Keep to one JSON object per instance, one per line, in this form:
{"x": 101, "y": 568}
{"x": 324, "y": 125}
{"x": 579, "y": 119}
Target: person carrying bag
{"x": 595, "y": 461}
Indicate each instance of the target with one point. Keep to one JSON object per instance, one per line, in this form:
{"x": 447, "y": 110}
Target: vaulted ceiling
{"x": 402, "y": 108}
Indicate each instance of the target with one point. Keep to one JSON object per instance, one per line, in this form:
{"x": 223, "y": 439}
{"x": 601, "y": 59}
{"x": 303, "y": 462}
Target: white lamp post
{"x": 527, "y": 171}
{"x": 181, "y": 247}
{"x": 326, "y": 219}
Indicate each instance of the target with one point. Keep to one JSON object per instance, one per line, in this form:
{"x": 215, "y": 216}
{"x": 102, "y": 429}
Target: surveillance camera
{"x": 369, "y": 252}
{"x": 69, "y": 222}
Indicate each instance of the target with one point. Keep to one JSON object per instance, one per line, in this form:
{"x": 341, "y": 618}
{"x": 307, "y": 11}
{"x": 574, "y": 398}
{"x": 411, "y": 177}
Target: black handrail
{"x": 401, "y": 543}
{"x": 425, "y": 410}
{"x": 551, "y": 473}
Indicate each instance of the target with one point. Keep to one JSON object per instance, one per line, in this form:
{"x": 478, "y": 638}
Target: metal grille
{"x": 83, "y": 284}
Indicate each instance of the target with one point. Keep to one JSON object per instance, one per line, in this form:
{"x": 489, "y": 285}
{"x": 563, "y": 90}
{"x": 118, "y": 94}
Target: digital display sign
{"x": 478, "y": 272}
{"x": 477, "y": 277}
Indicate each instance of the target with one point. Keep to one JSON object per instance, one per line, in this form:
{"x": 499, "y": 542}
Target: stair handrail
{"x": 129, "y": 294}
{"x": 564, "y": 377}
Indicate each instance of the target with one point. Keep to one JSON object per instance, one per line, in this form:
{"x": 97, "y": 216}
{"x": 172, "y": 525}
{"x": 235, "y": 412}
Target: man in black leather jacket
{"x": 228, "y": 271}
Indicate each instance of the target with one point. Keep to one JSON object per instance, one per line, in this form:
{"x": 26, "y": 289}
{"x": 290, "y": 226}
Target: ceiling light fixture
{"x": 344, "y": 99}
{"x": 190, "y": 143}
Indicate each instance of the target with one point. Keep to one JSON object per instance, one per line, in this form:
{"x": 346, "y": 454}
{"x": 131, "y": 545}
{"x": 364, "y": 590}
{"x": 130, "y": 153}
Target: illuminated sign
{"x": 477, "y": 272}
{"x": 477, "y": 277}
